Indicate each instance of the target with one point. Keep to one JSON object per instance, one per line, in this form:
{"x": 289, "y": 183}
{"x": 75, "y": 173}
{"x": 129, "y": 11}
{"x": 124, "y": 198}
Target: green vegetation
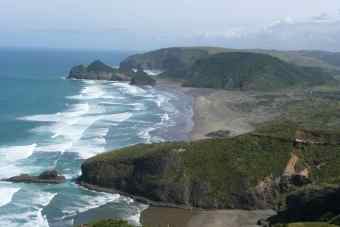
{"x": 331, "y": 58}
{"x": 168, "y": 59}
{"x": 184, "y": 57}
{"x": 306, "y": 224}
{"x": 234, "y": 69}
{"x": 227, "y": 169}
{"x": 251, "y": 71}
{"x": 109, "y": 223}
{"x": 98, "y": 66}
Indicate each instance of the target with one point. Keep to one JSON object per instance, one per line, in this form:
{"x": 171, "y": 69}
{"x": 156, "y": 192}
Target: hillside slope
{"x": 245, "y": 172}
{"x": 179, "y": 57}
{"x": 250, "y": 71}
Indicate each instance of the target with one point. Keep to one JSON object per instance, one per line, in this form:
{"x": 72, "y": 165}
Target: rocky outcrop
{"x": 140, "y": 78}
{"x": 219, "y": 134}
{"x": 312, "y": 204}
{"x": 47, "y": 177}
{"x": 97, "y": 71}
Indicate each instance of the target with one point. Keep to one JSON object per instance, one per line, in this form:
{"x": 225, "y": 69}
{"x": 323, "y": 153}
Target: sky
{"x": 150, "y": 24}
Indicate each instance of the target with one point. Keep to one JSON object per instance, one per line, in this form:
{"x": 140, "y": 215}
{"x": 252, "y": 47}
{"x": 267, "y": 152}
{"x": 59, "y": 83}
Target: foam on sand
{"x": 89, "y": 201}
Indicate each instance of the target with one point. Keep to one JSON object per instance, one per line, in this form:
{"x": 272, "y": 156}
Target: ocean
{"x": 49, "y": 122}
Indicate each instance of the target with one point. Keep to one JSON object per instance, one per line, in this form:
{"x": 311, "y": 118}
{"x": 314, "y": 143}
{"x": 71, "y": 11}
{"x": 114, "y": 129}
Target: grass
{"x": 306, "y": 224}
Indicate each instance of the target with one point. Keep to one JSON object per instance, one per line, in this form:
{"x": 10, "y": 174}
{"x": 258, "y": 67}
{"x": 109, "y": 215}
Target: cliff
{"x": 314, "y": 204}
{"x": 251, "y": 171}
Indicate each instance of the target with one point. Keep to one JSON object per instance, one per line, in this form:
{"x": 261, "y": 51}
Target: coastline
{"x": 212, "y": 110}
{"x": 180, "y": 131}
{"x": 237, "y": 112}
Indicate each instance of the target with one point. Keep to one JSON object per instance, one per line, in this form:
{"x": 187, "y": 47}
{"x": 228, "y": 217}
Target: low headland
{"x": 264, "y": 147}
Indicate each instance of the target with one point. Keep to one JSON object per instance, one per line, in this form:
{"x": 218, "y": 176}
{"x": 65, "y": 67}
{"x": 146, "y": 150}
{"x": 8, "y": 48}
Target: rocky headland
{"x": 97, "y": 70}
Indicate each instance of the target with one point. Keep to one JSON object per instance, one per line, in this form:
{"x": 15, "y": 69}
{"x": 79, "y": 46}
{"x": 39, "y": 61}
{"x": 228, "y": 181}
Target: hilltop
{"x": 226, "y": 69}
{"x": 250, "y": 71}
{"x": 164, "y": 59}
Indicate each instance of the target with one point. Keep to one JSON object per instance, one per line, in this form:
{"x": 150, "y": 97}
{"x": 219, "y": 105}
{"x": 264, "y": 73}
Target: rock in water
{"x": 47, "y": 177}
{"x": 97, "y": 70}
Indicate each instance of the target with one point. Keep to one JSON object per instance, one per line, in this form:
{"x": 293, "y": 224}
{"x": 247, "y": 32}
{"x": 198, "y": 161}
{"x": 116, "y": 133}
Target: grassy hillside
{"x": 250, "y": 71}
{"x": 215, "y": 173}
{"x": 179, "y": 57}
{"x": 331, "y": 58}
{"x": 236, "y": 69}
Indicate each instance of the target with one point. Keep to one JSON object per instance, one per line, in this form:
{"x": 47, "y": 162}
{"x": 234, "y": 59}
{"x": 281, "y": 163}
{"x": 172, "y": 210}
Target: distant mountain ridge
{"x": 167, "y": 57}
{"x": 221, "y": 68}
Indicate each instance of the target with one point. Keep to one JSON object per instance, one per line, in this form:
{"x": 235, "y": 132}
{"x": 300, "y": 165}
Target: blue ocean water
{"x": 48, "y": 122}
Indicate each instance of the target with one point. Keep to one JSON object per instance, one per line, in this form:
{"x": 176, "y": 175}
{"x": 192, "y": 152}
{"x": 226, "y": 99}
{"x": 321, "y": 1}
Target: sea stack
{"x": 47, "y": 177}
{"x": 97, "y": 70}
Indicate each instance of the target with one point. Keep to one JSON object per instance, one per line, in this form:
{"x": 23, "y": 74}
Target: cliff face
{"x": 246, "y": 172}
{"x": 96, "y": 71}
{"x": 312, "y": 204}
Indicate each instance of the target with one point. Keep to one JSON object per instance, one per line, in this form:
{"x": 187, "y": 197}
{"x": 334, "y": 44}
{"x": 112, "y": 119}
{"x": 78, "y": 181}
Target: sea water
{"x": 49, "y": 122}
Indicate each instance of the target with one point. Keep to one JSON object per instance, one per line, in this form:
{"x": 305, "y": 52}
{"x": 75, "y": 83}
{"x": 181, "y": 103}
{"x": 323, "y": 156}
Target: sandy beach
{"x": 235, "y": 111}
{"x": 172, "y": 217}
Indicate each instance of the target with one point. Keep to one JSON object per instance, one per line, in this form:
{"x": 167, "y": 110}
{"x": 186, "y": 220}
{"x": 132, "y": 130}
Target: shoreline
{"x": 212, "y": 110}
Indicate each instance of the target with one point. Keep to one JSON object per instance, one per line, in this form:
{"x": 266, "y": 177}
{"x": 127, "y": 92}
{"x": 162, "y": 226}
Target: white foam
{"x": 15, "y": 153}
{"x": 119, "y": 117}
{"x": 33, "y": 219}
{"x": 75, "y": 111}
{"x": 130, "y": 89}
{"x": 88, "y": 202}
{"x": 153, "y": 72}
{"x": 30, "y": 212}
{"x": 43, "y": 198}
{"x": 6, "y": 194}
{"x": 145, "y": 134}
